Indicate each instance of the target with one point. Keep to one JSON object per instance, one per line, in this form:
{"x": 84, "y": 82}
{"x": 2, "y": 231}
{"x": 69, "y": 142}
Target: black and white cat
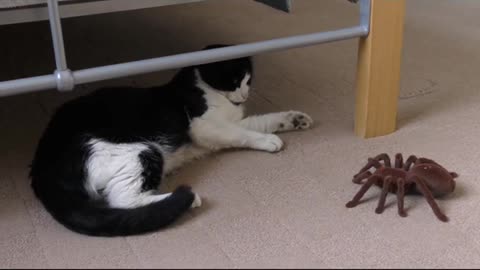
{"x": 102, "y": 156}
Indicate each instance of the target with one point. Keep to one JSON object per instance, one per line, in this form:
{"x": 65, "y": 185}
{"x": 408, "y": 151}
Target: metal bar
{"x": 365, "y": 12}
{"x": 202, "y": 57}
{"x": 31, "y": 84}
{"x": 57, "y": 35}
{"x": 65, "y": 79}
{"x": 63, "y": 75}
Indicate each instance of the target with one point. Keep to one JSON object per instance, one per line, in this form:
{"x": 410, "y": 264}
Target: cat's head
{"x": 232, "y": 78}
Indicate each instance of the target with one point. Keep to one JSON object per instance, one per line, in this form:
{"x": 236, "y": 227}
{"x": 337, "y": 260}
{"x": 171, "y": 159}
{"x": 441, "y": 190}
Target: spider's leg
{"x": 372, "y": 180}
{"x": 383, "y": 197}
{"x": 398, "y": 161}
{"x": 411, "y": 159}
{"x": 401, "y": 197}
{"x": 454, "y": 174}
{"x": 371, "y": 163}
{"x": 358, "y": 178}
{"x": 385, "y": 158}
{"x": 429, "y": 197}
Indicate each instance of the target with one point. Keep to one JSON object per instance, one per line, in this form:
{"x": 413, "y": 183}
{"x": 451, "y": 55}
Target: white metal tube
{"x": 64, "y": 79}
{"x": 208, "y": 56}
{"x": 57, "y": 35}
{"x": 32, "y": 84}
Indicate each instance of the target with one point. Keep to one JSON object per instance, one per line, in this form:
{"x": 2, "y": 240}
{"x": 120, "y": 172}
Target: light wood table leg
{"x": 378, "y": 71}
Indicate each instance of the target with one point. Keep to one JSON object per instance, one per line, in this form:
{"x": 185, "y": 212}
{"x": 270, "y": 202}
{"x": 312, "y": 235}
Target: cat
{"x": 102, "y": 156}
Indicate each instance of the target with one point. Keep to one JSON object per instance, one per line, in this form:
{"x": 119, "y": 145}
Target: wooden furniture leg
{"x": 378, "y": 71}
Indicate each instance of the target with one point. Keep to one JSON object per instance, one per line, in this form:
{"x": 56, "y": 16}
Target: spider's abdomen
{"x": 438, "y": 180}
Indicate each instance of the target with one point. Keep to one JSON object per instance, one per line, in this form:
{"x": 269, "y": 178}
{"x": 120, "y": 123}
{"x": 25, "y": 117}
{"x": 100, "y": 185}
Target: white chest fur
{"x": 220, "y": 108}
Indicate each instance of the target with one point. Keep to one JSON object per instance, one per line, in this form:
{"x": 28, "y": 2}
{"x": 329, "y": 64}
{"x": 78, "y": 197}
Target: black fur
{"x": 226, "y": 75}
{"x": 152, "y": 161}
{"x": 122, "y": 115}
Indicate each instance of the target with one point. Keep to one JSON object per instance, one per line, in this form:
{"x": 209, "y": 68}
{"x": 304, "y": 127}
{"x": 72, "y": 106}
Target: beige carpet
{"x": 267, "y": 210}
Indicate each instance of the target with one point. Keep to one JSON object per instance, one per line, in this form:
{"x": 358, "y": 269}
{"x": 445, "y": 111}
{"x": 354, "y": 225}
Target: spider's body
{"x": 416, "y": 175}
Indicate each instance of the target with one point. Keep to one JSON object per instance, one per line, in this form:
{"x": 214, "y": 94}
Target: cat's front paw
{"x": 269, "y": 142}
{"x": 197, "y": 202}
{"x": 294, "y": 120}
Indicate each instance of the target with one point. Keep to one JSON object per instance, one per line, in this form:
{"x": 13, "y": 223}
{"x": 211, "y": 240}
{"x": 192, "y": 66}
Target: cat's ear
{"x": 216, "y": 46}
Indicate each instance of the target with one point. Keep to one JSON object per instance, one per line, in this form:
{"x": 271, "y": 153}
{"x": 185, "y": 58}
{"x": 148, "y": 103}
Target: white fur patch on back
{"x": 115, "y": 171}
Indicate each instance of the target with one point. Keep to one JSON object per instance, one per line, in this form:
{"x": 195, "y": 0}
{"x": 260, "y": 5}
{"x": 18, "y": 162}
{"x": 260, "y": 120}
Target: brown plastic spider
{"x": 417, "y": 175}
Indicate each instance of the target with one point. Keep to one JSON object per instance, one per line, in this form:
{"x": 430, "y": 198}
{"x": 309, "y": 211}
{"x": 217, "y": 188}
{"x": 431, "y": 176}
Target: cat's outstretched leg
{"x": 277, "y": 122}
{"x": 218, "y": 134}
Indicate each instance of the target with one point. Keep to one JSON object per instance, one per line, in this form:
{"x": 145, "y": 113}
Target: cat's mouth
{"x": 237, "y": 97}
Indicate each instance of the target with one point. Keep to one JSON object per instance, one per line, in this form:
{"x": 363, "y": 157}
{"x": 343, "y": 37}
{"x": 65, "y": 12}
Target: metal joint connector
{"x": 65, "y": 80}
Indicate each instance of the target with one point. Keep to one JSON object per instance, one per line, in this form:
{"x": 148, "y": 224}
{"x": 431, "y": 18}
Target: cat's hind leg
{"x": 277, "y": 122}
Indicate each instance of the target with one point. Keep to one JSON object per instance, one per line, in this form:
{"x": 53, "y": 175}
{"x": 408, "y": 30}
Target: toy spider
{"x": 417, "y": 175}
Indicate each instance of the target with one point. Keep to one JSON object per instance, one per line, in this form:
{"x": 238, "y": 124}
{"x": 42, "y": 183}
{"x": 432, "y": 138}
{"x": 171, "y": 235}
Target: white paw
{"x": 294, "y": 120}
{"x": 197, "y": 202}
{"x": 269, "y": 143}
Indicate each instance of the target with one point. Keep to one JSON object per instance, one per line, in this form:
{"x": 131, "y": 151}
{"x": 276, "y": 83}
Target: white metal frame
{"x": 64, "y": 79}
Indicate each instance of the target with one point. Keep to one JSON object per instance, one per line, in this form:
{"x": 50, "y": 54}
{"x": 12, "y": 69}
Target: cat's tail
{"x": 95, "y": 220}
